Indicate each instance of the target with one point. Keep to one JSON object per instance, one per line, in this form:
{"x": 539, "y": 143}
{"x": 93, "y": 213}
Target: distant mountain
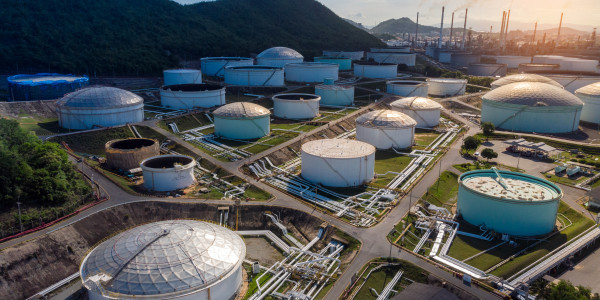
{"x": 563, "y": 30}
{"x": 406, "y": 25}
{"x": 145, "y": 36}
{"x": 355, "y": 24}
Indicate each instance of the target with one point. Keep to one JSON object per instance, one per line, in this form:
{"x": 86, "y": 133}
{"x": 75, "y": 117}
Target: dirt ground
{"x": 261, "y": 250}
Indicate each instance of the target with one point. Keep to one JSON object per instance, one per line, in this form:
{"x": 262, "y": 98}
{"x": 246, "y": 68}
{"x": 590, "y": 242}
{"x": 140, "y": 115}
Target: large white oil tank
{"x": 544, "y": 59}
{"x": 344, "y": 64}
{"x": 242, "y": 121}
{"x": 445, "y": 57}
{"x": 99, "y": 106}
{"x": 526, "y": 68}
{"x": 512, "y": 62}
{"x": 385, "y": 129}
{"x": 191, "y": 96}
{"x": 335, "y": 95}
{"x": 215, "y": 66}
{"x": 579, "y": 65}
{"x": 353, "y": 55}
{"x": 463, "y": 60}
{"x": 407, "y": 88}
{"x": 254, "y": 76}
{"x": 165, "y": 173}
{"x": 408, "y": 59}
{"x": 338, "y": 162}
{"x": 182, "y": 76}
{"x": 523, "y": 78}
{"x": 590, "y": 95}
{"x": 573, "y": 82}
{"x": 392, "y": 49}
{"x": 296, "y": 106}
{"x": 173, "y": 259}
{"x": 423, "y": 110}
{"x": 482, "y": 69}
{"x": 375, "y": 70}
{"x": 446, "y": 87}
{"x": 278, "y": 57}
{"x": 532, "y": 107}
{"x": 311, "y": 71}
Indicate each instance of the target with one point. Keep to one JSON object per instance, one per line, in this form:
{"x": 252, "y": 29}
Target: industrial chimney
{"x": 559, "y": 27}
{"x": 462, "y": 46}
{"x": 451, "y": 29}
{"x": 441, "y": 30}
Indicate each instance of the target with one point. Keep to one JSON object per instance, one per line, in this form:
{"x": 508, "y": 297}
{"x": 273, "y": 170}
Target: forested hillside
{"x": 145, "y": 36}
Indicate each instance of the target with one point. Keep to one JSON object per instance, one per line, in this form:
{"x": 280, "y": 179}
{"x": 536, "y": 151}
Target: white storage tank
{"x": 242, "y": 121}
{"x": 296, "y": 106}
{"x": 344, "y": 64}
{"x": 338, "y": 162}
{"x": 386, "y": 129}
{"x": 573, "y": 82}
{"x": 492, "y": 70}
{"x": 335, "y": 95}
{"x": 192, "y": 96}
{"x": 164, "y": 173}
{"x": 99, "y": 107}
{"x": 524, "y": 78}
{"x": 407, "y": 88}
{"x": 532, "y": 107}
{"x": 215, "y": 66}
{"x": 278, "y": 57}
{"x": 408, "y": 59}
{"x": 579, "y": 65}
{"x": 173, "y": 259}
{"x": 532, "y": 67}
{"x": 445, "y": 57}
{"x": 544, "y": 59}
{"x": 375, "y": 70}
{"x": 463, "y": 60}
{"x": 512, "y": 62}
{"x": 423, "y": 110}
{"x": 392, "y": 49}
{"x": 254, "y": 76}
{"x": 590, "y": 95}
{"x": 181, "y": 76}
{"x": 353, "y": 55}
{"x": 446, "y": 87}
{"x": 311, "y": 71}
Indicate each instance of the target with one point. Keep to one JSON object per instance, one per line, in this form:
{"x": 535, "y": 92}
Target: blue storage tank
{"x": 343, "y": 63}
{"x": 43, "y": 86}
{"x": 242, "y": 121}
{"x": 508, "y": 202}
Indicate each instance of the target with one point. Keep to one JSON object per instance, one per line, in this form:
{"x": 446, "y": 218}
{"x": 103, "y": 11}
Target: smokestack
{"x": 502, "y": 27}
{"x": 441, "y": 30}
{"x": 417, "y": 32}
{"x": 451, "y": 28}
{"x": 559, "y": 27}
{"x": 534, "y": 32}
{"x": 462, "y": 46}
{"x": 506, "y": 31}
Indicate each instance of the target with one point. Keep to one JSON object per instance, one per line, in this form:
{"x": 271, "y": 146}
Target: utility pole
{"x": 19, "y": 206}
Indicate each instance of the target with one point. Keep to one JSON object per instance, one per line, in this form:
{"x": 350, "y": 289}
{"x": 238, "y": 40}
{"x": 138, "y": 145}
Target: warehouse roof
{"x": 533, "y": 94}
{"x": 100, "y": 97}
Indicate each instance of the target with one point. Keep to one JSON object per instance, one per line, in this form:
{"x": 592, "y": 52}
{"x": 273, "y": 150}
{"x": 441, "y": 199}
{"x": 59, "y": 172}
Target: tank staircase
{"x": 486, "y": 235}
{"x": 388, "y": 288}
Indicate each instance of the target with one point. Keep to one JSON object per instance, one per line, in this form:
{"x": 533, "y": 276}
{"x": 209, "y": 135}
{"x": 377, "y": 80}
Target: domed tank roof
{"x": 168, "y": 257}
{"x": 386, "y": 118}
{"x": 590, "y": 90}
{"x": 280, "y": 53}
{"x": 524, "y": 78}
{"x": 415, "y": 103}
{"x": 533, "y": 94}
{"x": 338, "y": 148}
{"x": 241, "y": 110}
{"x": 100, "y": 97}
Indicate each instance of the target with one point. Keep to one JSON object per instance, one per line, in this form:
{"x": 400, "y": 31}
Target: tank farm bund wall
{"x": 57, "y": 255}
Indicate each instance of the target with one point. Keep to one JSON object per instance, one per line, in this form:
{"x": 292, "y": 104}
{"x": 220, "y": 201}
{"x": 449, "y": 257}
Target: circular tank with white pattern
{"x": 423, "y": 110}
{"x": 590, "y": 95}
{"x": 386, "y": 129}
{"x": 242, "y": 121}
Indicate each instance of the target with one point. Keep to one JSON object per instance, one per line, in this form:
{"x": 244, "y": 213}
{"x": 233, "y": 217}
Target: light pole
{"x": 20, "y": 222}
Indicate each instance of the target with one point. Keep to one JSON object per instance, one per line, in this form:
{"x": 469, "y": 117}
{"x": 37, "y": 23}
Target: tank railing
{"x": 501, "y": 180}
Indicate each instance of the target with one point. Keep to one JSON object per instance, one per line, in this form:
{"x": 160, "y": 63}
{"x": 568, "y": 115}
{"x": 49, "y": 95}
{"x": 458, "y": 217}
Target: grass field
{"x": 381, "y": 277}
{"x": 92, "y": 143}
{"x": 41, "y": 126}
{"x": 424, "y": 138}
{"x": 564, "y": 179}
{"x": 185, "y": 122}
{"x": 389, "y": 161}
{"x": 465, "y": 167}
{"x": 444, "y": 190}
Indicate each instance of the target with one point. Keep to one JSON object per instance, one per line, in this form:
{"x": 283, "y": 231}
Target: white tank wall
{"x": 543, "y": 59}
{"x": 183, "y": 76}
{"x": 191, "y": 100}
{"x": 311, "y": 72}
{"x": 462, "y": 60}
{"x": 591, "y": 108}
{"x": 526, "y": 68}
{"x": 420, "y": 89}
{"x": 573, "y": 82}
{"x": 447, "y": 87}
{"x": 579, "y": 65}
{"x": 168, "y": 179}
{"x": 540, "y": 119}
{"x": 445, "y": 57}
{"x": 393, "y": 58}
{"x": 277, "y": 62}
{"x": 354, "y": 55}
{"x": 254, "y": 77}
{"x": 338, "y": 172}
{"x": 513, "y": 62}
{"x": 226, "y": 289}
{"x": 85, "y": 118}
{"x": 425, "y": 118}
{"x": 376, "y": 71}
{"x": 295, "y": 109}
{"x": 215, "y": 66}
{"x": 395, "y": 50}
{"x": 487, "y": 70}
{"x": 335, "y": 95}
{"x": 242, "y": 129}
{"x": 386, "y": 138}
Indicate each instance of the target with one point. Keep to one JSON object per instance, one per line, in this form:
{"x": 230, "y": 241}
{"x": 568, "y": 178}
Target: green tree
{"x": 488, "y": 129}
{"x": 565, "y": 290}
{"x": 489, "y": 153}
{"x": 470, "y": 143}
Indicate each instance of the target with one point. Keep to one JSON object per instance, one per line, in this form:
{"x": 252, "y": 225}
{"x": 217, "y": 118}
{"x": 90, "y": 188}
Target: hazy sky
{"x": 482, "y": 13}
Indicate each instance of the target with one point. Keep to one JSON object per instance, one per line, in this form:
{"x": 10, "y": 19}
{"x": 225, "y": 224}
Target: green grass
{"x": 252, "y": 287}
{"x": 425, "y": 138}
{"x": 257, "y": 194}
{"x": 41, "y": 126}
{"x": 444, "y": 190}
{"x": 389, "y": 161}
{"x": 381, "y": 85}
{"x": 185, "y": 122}
{"x": 353, "y": 244}
{"x": 93, "y": 142}
{"x": 465, "y": 167}
{"x": 150, "y": 133}
{"x": 129, "y": 186}
{"x": 564, "y": 179}
{"x": 380, "y": 278}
